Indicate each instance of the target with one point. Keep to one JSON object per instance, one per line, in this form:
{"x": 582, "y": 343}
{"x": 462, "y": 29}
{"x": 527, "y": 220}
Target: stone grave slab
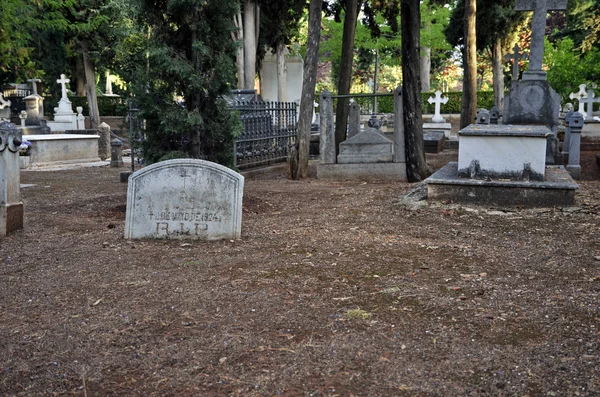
{"x": 557, "y": 189}
{"x": 184, "y": 199}
{"x": 47, "y": 149}
{"x": 434, "y": 141}
{"x": 368, "y": 146}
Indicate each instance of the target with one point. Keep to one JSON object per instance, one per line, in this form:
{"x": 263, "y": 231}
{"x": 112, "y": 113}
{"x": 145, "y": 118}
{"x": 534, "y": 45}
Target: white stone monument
{"x": 184, "y": 199}
{"x": 438, "y": 100}
{"x": 294, "y": 74}
{"x": 580, "y": 96}
{"x": 64, "y": 116}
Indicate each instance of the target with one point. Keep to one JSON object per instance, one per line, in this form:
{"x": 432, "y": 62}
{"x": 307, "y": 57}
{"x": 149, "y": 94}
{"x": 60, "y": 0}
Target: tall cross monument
{"x": 540, "y": 9}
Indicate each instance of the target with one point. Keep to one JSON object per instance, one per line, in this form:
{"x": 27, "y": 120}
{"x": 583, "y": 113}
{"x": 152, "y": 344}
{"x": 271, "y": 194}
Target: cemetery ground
{"x": 335, "y": 289}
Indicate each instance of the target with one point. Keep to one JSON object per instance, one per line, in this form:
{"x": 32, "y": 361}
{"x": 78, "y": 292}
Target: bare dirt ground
{"x": 333, "y": 290}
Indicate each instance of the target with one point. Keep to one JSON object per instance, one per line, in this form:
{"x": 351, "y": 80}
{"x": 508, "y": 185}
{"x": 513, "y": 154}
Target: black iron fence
{"x": 269, "y": 129}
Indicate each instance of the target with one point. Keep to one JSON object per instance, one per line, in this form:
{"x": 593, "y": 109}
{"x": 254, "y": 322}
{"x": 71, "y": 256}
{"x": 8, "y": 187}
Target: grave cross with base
{"x": 63, "y": 85}
{"x": 540, "y": 9}
{"x": 438, "y": 100}
{"x": 515, "y": 56}
{"x": 580, "y": 95}
{"x": 34, "y": 85}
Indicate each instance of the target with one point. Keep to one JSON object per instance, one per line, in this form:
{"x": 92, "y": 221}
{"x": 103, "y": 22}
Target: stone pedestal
{"x": 116, "y": 157}
{"x": 11, "y": 206}
{"x": 489, "y": 151}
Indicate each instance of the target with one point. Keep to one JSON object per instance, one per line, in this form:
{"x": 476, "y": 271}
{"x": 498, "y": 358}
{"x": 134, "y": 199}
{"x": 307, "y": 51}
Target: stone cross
{"x": 581, "y": 94}
{"x": 589, "y": 101}
{"x": 63, "y": 83}
{"x": 438, "y": 100}
{"x": 540, "y": 9}
{"x": 34, "y": 85}
{"x": 515, "y": 56}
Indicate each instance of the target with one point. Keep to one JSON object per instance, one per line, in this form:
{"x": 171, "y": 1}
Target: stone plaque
{"x": 184, "y": 199}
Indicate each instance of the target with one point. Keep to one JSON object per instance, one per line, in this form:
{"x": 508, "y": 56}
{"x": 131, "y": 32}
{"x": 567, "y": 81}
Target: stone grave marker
{"x": 580, "y": 96}
{"x": 11, "y": 206}
{"x": 438, "y": 100}
{"x": 184, "y": 199}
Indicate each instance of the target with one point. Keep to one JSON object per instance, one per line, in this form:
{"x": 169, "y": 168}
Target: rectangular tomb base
{"x": 558, "y": 189}
{"x": 363, "y": 171}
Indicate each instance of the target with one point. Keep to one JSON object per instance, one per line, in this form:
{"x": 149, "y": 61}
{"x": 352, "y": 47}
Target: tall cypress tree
{"x": 190, "y": 69}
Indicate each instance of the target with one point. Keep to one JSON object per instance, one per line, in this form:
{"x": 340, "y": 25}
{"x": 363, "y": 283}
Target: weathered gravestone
{"x": 532, "y": 101}
{"x": 184, "y": 199}
{"x": 11, "y": 206}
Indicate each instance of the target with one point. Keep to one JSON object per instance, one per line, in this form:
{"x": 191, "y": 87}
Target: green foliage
{"x": 567, "y": 68}
{"x": 190, "y": 69}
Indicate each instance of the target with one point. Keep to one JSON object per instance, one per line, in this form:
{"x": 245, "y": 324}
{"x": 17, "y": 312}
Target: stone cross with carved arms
{"x": 580, "y": 96}
{"x": 515, "y": 56}
{"x": 63, "y": 83}
{"x": 540, "y": 9}
{"x": 589, "y": 103}
{"x": 438, "y": 100}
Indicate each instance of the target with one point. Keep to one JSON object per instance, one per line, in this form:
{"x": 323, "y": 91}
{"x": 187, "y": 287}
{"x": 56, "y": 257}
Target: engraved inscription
{"x": 166, "y": 229}
{"x": 185, "y": 216}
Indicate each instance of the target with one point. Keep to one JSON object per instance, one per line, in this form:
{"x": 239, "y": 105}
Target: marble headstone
{"x": 184, "y": 199}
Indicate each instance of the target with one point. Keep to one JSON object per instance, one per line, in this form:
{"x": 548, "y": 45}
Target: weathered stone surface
{"x": 532, "y": 102}
{"x": 63, "y": 147}
{"x": 434, "y": 141}
{"x": 558, "y": 189}
{"x": 489, "y": 151}
{"x": 11, "y": 206}
{"x": 369, "y": 146}
{"x": 184, "y": 199}
{"x": 327, "y": 134}
{"x": 363, "y": 172}
{"x": 104, "y": 141}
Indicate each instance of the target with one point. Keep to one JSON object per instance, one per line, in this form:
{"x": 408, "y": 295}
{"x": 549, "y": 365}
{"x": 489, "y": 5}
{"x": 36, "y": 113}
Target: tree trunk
{"x": 80, "y": 77}
{"x": 239, "y": 57}
{"x": 498, "y": 74}
{"x": 250, "y": 40}
{"x": 281, "y": 74}
{"x": 416, "y": 168}
{"x": 308, "y": 87}
{"x": 469, "y": 97}
{"x": 345, "y": 79}
{"x": 426, "y": 69}
{"x": 194, "y": 101}
{"x": 90, "y": 86}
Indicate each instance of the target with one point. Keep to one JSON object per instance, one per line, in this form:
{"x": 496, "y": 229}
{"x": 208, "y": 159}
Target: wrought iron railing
{"x": 269, "y": 130}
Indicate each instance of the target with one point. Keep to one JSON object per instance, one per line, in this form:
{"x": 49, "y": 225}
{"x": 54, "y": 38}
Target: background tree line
{"x": 179, "y": 58}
